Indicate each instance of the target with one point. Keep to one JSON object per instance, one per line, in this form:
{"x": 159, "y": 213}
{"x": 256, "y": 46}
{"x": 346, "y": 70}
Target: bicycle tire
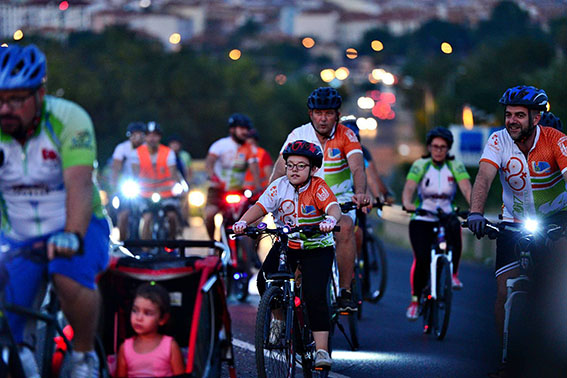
{"x": 442, "y": 304}
{"x": 241, "y": 284}
{"x": 426, "y": 312}
{"x": 352, "y": 317}
{"x": 270, "y": 363}
{"x": 515, "y": 335}
{"x": 375, "y": 248}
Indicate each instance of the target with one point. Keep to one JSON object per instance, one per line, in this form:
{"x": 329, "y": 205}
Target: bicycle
{"x": 200, "y": 320}
{"x": 530, "y": 234}
{"x": 435, "y": 300}
{"x": 56, "y": 334}
{"x": 283, "y": 300}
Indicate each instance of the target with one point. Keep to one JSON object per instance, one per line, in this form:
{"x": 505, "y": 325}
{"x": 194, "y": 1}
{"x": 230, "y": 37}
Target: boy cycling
{"x": 298, "y": 199}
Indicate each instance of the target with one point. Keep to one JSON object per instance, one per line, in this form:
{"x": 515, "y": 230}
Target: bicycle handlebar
{"x": 439, "y": 213}
{"x": 551, "y": 230}
{"x": 280, "y": 230}
{"x": 350, "y": 205}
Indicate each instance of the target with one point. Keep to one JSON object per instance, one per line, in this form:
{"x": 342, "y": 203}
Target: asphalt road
{"x": 391, "y": 346}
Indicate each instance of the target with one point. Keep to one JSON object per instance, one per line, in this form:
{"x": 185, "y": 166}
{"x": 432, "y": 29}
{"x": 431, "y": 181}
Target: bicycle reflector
{"x": 297, "y": 301}
{"x": 232, "y": 198}
{"x": 531, "y": 225}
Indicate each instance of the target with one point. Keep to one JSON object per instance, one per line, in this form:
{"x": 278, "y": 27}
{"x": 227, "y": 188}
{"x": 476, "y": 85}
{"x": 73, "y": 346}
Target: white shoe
{"x": 276, "y": 328}
{"x": 322, "y": 359}
{"x": 84, "y": 365}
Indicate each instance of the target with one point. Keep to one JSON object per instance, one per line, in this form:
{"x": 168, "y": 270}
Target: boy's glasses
{"x": 298, "y": 166}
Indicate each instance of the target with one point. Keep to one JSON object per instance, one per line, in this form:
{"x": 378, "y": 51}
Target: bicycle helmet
{"x": 22, "y": 67}
{"x": 135, "y": 126}
{"x": 303, "y": 148}
{"x": 351, "y": 124}
{"x": 174, "y": 138}
{"x": 440, "y": 132}
{"x": 154, "y": 127}
{"x": 524, "y": 95}
{"x": 324, "y": 98}
{"x": 239, "y": 119}
{"x": 550, "y": 119}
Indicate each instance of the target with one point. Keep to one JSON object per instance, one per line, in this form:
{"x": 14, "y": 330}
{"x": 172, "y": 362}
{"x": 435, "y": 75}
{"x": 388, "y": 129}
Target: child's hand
{"x": 239, "y": 227}
{"x": 328, "y": 224}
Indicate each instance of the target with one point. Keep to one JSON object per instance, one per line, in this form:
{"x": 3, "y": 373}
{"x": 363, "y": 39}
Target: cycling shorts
{"x": 214, "y": 196}
{"x": 27, "y": 275}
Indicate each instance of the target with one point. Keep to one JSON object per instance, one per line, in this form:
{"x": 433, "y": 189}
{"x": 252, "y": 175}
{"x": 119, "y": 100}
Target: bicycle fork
{"x": 510, "y": 294}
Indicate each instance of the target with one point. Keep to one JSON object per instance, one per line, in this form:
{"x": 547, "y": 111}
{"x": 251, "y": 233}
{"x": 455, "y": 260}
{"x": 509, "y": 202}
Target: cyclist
{"x": 226, "y": 164}
{"x": 375, "y": 184}
{"x": 122, "y": 167}
{"x": 551, "y": 120}
{"x": 183, "y": 163}
{"x": 300, "y": 198}
{"x": 436, "y": 177}
{"x": 154, "y": 166}
{"x": 265, "y": 164}
{"x": 531, "y": 160}
{"x": 342, "y": 170}
{"x": 47, "y": 152}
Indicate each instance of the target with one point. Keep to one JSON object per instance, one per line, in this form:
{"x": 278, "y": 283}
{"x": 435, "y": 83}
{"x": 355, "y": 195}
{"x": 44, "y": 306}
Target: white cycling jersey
{"x": 32, "y": 191}
{"x": 123, "y": 153}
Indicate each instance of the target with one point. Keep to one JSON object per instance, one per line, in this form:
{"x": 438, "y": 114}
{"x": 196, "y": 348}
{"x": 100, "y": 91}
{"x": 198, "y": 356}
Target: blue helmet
{"x": 525, "y": 95}
{"x": 550, "y": 119}
{"x": 440, "y": 132}
{"x": 351, "y": 124}
{"x": 239, "y": 119}
{"x": 154, "y": 127}
{"x": 324, "y": 98}
{"x": 135, "y": 126}
{"x": 22, "y": 67}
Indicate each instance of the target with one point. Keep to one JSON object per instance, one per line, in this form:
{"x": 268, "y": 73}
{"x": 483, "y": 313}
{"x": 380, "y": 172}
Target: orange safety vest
{"x": 155, "y": 179}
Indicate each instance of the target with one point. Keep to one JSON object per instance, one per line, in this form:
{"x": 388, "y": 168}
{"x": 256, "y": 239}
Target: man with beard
{"x": 531, "y": 160}
{"x": 47, "y": 153}
{"x": 226, "y": 164}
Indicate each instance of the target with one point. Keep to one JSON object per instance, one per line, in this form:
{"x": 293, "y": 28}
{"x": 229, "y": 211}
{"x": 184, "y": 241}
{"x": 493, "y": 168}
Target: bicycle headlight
{"x": 115, "y": 202}
{"x": 130, "y": 189}
{"x": 531, "y": 225}
{"x": 177, "y": 189}
{"x": 155, "y": 197}
{"x": 196, "y": 198}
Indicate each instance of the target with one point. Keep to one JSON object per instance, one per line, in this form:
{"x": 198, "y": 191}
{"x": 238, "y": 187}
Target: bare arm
{"x": 121, "y": 367}
{"x": 335, "y": 212}
{"x": 356, "y": 165}
{"x": 255, "y": 169}
{"x": 466, "y": 188}
{"x": 375, "y": 183}
{"x": 79, "y": 202}
{"x": 279, "y": 169}
{"x": 116, "y": 169}
{"x": 253, "y": 214}
{"x": 482, "y": 183}
{"x": 407, "y": 194}
{"x": 209, "y": 164}
{"x": 177, "y": 365}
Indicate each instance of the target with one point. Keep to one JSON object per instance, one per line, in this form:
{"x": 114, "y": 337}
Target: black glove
{"x": 477, "y": 222}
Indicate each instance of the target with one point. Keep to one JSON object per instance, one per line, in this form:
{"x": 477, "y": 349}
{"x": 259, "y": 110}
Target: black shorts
{"x": 214, "y": 196}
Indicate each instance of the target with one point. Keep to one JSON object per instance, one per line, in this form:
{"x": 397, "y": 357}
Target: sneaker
{"x": 322, "y": 359}
{"x": 276, "y": 328}
{"x": 457, "y": 284}
{"x": 84, "y": 365}
{"x": 345, "y": 303}
{"x": 412, "y": 313}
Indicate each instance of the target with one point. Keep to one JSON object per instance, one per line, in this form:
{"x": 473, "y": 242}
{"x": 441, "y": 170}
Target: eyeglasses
{"x": 15, "y": 102}
{"x": 438, "y": 147}
{"x": 299, "y": 166}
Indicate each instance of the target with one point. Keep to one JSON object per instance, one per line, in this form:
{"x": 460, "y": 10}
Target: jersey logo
{"x": 82, "y": 140}
{"x": 48, "y": 154}
{"x": 515, "y": 175}
{"x": 322, "y": 193}
{"x": 451, "y": 179}
{"x": 308, "y": 210}
{"x": 334, "y": 153}
{"x": 273, "y": 192}
{"x": 494, "y": 142}
{"x": 351, "y": 136}
{"x": 540, "y": 166}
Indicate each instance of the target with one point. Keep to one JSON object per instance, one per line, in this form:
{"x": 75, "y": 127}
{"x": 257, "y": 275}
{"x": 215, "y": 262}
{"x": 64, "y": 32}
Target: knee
{"x": 347, "y": 228}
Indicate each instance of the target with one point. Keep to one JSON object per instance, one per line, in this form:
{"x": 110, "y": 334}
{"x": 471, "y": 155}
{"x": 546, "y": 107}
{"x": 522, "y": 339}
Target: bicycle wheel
{"x": 377, "y": 253}
{"x": 442, "y": 304}
{"x": 353, "y": 318}
{"x": 275, "y": 355}
{"x": 206, "y": 354}
{"x": 243, "y": 246}
{"x": 426, "y": 311}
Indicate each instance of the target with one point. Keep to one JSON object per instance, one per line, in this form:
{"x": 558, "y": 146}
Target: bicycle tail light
{"x": 232, "y": 198}
{"x": 297, "y": 301}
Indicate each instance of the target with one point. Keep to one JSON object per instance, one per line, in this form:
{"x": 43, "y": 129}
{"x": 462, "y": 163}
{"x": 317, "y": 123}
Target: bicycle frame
{"x": 438, "y": 252}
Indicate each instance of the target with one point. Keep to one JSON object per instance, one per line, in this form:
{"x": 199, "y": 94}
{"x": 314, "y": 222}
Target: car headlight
{"x": 130, "y": 189}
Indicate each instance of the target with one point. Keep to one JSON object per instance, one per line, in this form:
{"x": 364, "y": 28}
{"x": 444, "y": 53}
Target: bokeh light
{"x": 328, "y": 75}
{"x": 145, "y": 3}
{"x": 280, "y": 79}
{"x": 175, "y": 38}
{"x": 308, "y": 42}
{"x": 377, "y": 45}
{"x": 351, "y": 53}
{"x": 342, "y": 73}
{"x": 235, "y": 54}
{"x": 64, "y": 5}
{"x": 446, "y": 48}
{"x": 18, "y": 34}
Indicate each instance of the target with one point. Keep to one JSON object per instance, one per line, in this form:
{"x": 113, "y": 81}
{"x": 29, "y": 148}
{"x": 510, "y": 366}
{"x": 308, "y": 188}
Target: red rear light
{"x": 297, "y": 301}
{"x": 169, "y": 250}
{"x": 233, "y": 198}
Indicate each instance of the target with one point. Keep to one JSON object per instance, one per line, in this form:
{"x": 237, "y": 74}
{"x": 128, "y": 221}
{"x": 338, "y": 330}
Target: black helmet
{"x": 550, "y": 119}
{"x": 174, "y": 138}
{"x": 154, "y": 127}
{"x": 524, "y": 95}
{"x": 135, "y": 126}
{"x": 351, "y": 124}
{"x": 303, "y": 148}
{"x": 239, "y": 119}
{"x": 440, "y": 132}
{"x": 324, "y": 98}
